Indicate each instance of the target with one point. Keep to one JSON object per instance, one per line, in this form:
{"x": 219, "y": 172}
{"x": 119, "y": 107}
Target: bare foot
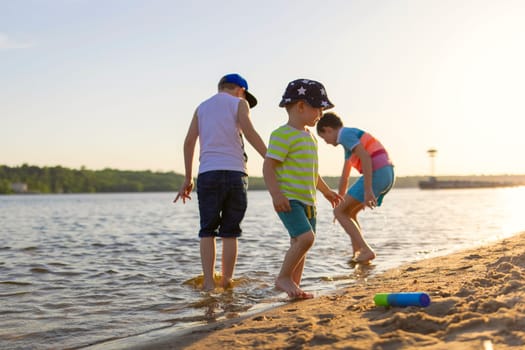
{"x": 305, "y": 295}
{"x": 364, "y": 256}
{"x": 208, "y": 286}
{"x": 293, "y": 291}
{"x": 226, "y": 284}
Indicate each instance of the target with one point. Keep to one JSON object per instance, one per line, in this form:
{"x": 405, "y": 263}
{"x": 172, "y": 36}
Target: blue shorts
{"x": 382, "y": 182}
{"x": 300, "y": 219}
{"x": 222, "y": 202}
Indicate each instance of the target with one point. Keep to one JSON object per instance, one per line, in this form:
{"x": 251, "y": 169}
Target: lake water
{"x": 81, "y": 270}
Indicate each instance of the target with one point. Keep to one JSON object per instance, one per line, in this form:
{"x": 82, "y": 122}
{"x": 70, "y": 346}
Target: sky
{"x": 114, "y": 83}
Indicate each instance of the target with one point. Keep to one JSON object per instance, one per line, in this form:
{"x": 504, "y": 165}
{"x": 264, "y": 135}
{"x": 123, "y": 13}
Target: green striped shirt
{"x": 297, "y": 152}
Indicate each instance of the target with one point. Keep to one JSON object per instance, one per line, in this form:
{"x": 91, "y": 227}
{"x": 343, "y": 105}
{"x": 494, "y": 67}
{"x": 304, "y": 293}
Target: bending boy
{"x": 369, "y": 157}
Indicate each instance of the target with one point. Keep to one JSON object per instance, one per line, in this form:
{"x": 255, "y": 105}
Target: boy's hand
{"x": 333, "y": 197}
{"x": 370, "y": 199}
{"x": 185, "y": 191}
{"x": 281, "y": 203}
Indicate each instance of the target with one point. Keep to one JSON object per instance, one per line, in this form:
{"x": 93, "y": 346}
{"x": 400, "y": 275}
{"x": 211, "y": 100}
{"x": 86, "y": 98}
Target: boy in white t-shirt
{"x": 219, "y": 123}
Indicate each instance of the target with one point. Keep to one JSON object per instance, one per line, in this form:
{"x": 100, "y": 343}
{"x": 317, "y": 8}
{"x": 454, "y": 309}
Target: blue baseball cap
{"x": 236, "y": 79}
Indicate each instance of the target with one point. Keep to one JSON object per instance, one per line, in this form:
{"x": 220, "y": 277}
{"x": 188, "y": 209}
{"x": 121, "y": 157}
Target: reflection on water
{"x": 77, "y": 270}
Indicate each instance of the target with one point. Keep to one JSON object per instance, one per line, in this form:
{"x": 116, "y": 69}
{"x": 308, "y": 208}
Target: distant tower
{"x": 432, "y": 154}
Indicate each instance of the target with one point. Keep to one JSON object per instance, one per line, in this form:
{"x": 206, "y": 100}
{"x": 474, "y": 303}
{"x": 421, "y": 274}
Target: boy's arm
{"x": 329, "y": 194}
{"x": 321, "y": 185}
{"x": 280, "y": 202}
{"x": 243, "y": 115}
{"x": 189, "y": 149}
{"x": 366, "y": 166}
{"x": 343, "y": 180}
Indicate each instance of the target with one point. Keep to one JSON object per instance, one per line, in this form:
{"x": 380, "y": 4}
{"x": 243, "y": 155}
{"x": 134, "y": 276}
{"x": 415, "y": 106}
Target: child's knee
{"x": 306, "y": 239}
{"x": 338, "y": 211}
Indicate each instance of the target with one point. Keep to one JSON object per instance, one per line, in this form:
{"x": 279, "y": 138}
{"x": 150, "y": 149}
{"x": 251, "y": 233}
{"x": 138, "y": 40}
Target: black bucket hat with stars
{"x": 308, "y": 90}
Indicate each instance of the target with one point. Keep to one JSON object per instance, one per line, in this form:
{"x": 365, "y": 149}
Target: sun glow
{"x": 512, "y": 200}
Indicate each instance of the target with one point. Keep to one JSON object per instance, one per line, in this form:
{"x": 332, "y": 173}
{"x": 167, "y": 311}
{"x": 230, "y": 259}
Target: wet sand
{"x": 477, "y": 302}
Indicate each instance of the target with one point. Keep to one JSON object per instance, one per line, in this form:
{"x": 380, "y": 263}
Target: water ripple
{"x": 81, "y": 269}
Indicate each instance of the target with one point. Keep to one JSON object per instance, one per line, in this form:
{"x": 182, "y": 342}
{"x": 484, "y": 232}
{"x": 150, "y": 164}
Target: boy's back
{"x": 221, "y": 147}
{"x": 349, "y": 138}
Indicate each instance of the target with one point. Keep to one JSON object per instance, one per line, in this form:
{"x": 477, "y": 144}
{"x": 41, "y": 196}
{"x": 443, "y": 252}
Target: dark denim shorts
{"x": 222, "y": 202}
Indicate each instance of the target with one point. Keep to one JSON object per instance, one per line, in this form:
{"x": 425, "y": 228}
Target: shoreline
{"x": 477, "y": 302}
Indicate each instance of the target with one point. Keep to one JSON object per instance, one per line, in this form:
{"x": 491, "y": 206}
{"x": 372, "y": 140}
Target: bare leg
{"x": 229, "y": 258}
{"x": 346, "y": 214}
{"x": 293, "y": 264}
{"x": 355, "y": 244}
{"x": 351, "y": 213}
{"x": 207, "y": 246}
{"x": 365, "y": 253}
{"x": 297, "y": 273}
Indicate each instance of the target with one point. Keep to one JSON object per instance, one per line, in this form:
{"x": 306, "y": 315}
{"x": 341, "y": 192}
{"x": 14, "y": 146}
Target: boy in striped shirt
{"x": 291, "y": 175}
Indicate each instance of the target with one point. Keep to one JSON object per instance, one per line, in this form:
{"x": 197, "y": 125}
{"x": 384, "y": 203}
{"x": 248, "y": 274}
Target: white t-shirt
{"x": 221, "y": 146}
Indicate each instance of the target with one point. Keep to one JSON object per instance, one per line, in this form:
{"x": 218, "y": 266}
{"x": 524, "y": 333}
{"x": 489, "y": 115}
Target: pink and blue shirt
{"x": 349, "y": 138}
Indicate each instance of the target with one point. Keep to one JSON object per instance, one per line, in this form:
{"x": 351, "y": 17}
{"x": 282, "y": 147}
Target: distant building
{"x": 19, "y": 187}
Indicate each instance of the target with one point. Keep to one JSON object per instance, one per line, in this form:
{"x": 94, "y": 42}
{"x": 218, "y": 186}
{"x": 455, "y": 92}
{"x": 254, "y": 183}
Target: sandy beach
{"x": 477, "y": 302}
